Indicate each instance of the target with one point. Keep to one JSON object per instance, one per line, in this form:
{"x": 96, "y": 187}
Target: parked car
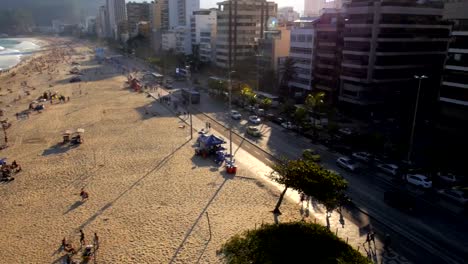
{"x": 391, "y": 169}
{"x": 448, "y": 177}
{"x": 278, "y": 120}
{"x": 250, "y": 108}
{"x": 362, "y": 156}
{"x": 458, "y": 196}
{"x": 75, "y": 79}
{"x": 270, "y": 117}
{"x": 288, "y": 125}
{"x": 311, "y": 154}
{"x": 419, "y": 180}
{"x": 254, "y": 131}
{"x": 260, "y": 112}
{"x": 235, "y": 115}
{"x": 347, "y": 164}
{"x": 400, "y": 200}
{"x": 346, "y": 131}
{"x": 341, "y": 148}
{"x": 254, "y": 119}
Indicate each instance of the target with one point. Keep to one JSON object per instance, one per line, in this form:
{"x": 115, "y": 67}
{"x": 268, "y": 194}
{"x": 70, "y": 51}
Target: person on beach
{"x": 96, "y": 241}
{"x": 84, "y": 195}
{"x": 82, "y": 237}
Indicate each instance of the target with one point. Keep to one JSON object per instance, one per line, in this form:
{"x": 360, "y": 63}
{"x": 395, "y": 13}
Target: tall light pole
{"x": 410, "y": 149}
{"x": 190, "y": 100}
{"x": 230, "y": 119}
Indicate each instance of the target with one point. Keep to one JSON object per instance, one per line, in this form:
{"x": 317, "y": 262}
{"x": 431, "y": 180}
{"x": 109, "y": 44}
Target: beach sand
{"x": 150, "y": 198}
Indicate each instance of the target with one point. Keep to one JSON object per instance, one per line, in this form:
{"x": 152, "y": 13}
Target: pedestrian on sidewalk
{"x": 82, "y": 237}
{"x": 367, "y": 239}
{"x": 387, "y": 242}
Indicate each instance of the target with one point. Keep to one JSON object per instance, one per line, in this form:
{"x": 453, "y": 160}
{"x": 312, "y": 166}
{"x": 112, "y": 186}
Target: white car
{"x": 456, "y": 195}
{"x": 288, "y": 125}
{"x": 448, "y": 177}
{"x": 362, "y": 156}
{"x": 254, "y": 119}
{"x": 347, "y": 163}
{"x": 419, "y": 180}
{"x": 388, "y": 168}
{"x": 235, "y": 115}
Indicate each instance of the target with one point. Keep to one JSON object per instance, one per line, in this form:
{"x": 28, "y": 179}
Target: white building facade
{"x": 117, "y": 14}
{"x": 302, "y": 52}
{"x": 203, "y": 33}
{"x": 168, "y": 41}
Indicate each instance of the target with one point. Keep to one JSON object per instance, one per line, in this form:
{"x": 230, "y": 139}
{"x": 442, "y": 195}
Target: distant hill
{"x": 44, "y": 11}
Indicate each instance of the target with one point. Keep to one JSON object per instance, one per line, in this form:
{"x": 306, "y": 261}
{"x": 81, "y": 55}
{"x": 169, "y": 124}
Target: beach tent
{"x": 211, "y": 140}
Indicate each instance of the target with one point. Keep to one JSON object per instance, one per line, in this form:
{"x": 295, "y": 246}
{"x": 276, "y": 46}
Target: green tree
{"x": 310, "y": 178}
{"x": 313, "y": 103}
{"x": 266, "y": 103}
{"x": 286, "y": 243}
{"x": 288, "y": 71}
{"x": 217, "y": 87}
{"x": 247, "y": 94}
{"x": 300, "y": 115}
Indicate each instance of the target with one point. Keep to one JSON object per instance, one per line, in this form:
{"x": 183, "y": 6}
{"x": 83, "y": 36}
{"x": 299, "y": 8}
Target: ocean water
{"x": 12, "y": 50}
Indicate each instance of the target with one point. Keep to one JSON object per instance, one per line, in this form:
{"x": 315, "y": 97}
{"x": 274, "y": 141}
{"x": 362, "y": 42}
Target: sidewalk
{"x": 353, "y": 234}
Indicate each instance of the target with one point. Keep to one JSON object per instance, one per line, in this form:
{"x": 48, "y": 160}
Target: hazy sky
{"x": 297, "y": 4}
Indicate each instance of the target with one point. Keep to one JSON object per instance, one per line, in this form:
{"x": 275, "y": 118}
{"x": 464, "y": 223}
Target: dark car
{"x": 75, "y": 79}
{"x": 400, "y": 200}
{"x": 278, "y": 120}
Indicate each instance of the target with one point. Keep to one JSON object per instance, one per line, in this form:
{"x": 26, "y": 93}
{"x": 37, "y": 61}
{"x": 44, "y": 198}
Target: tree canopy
{"x": 311, "y": 179}
{"x": 297, "y": 242}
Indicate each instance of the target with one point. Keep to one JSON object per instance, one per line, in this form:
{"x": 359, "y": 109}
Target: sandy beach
{"x": 150, "y": 198}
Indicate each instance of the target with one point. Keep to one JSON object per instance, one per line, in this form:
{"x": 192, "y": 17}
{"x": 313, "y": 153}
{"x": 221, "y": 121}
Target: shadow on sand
{"x": 58, "y": 148}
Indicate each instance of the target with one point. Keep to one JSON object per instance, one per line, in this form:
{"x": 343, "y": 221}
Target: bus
{"x": 275, "y": 100}
{"x": 187, "y": 93}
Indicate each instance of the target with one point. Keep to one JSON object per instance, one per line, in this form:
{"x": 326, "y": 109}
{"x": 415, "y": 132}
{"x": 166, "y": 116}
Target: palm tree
{"x": 313, "y": 102}
{"x": 288, "y": 71}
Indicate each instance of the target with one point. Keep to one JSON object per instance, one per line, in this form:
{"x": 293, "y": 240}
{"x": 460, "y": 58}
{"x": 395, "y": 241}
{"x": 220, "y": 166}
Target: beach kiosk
{"x": 210, "y": 145}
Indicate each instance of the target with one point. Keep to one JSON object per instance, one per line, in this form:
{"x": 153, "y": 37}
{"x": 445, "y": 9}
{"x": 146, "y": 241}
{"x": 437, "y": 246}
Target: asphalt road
{"x": 431, "y": 236}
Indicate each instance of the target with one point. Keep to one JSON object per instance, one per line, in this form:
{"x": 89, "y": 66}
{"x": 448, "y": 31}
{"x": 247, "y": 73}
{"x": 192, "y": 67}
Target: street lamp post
{"x": 230, "y": 119}
{"x": 410, "y": 149}
{"x": 190, "y": 100}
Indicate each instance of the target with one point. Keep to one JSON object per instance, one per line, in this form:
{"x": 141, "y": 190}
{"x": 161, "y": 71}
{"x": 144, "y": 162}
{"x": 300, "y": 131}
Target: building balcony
{"x": 454, "y": 84}
{"x": 456, "y": 68}
{"x": 299, "y": 85}
{"x": 453, "y": 101}
{"x": 323, "y": 76}
{"x": 452, "y": 50}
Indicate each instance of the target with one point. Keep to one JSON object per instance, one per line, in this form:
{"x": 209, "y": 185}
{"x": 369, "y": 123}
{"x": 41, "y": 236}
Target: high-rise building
{"x": 327, "y": 53}
{"x": 240, "y": 23}
{"x": 137, "y": 12}
{"x": 287, "y": 15}
{"x": 117, "y": 15}
{"x": 271, "y": 48}
{"x": 387, "y": 43}
{"x": 203, "y": 33}
{"x": 180, "y": 11}
{"x": 102, "y": 23}
{"x": 155, "y": 16}
{"x": 313, "y": 8}
{"x": 302, "y": 53}
{"x": 453, "y": 95}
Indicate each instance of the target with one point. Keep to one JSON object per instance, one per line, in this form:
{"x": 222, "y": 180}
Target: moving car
{"x": 400, "y": 200}
{"x": 311, "y": 154}
{"x": 391, "y": 169}
{"x": 254, "y": 119}
{"x": 419, "y": 180}
{"x": 75, "y": 79}
{"x": 235, "y": 115}
{"x": 458, "y": 196}
{"x": 254, "y": 131}
{"x": 362, "y": 156}
{"x": 347, "y": 163}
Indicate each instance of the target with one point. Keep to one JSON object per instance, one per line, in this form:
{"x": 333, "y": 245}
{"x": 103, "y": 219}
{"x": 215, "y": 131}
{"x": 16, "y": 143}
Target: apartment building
{"x": 116, "y": 16}
{"x": 327, "y": 55}
{"x": 102, "y": 26}
{"x": 287, "y": 15}
{"x": 314, "y": 8}
{"x": 137, "y": 12}
{"x": 237, "y": 39}
{"x": 302, "y": 52}
{"x": 387, "y": 43}
{"x": 168, "y": 41}
{"x": 453, "y": 95}
{"x": 203, "y": 33}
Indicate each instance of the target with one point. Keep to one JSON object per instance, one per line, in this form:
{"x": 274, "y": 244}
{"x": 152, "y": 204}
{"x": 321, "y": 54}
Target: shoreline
{"x": 24, "y": 55}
